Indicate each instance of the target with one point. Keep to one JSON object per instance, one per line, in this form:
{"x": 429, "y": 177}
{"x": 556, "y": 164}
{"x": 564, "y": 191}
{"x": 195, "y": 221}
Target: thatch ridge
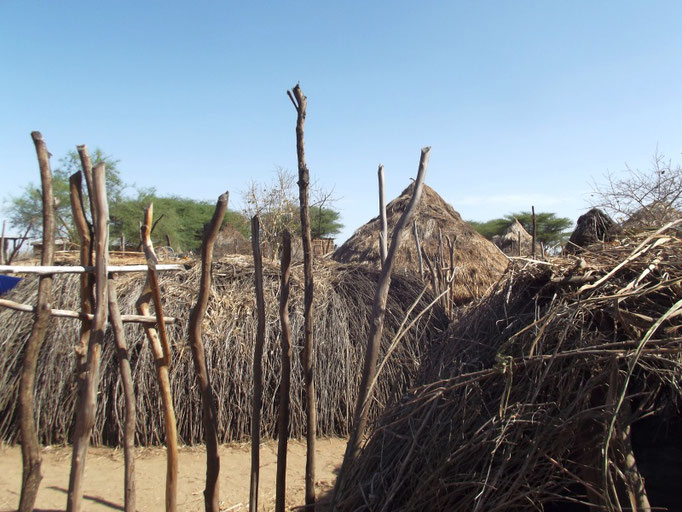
{"x": 592, "y": 227}
{"x": 343, "y": 298}
{"x": 514, "y": 404}
{"x": 479, "y": 263}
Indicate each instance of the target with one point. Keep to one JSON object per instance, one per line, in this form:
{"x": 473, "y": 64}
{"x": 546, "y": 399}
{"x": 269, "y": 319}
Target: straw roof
{"x": 230, "y": 241}
{"x": 538, "y": 393}
{"x": 478, "y": 262}
{"x": 592, "y": 227}
{"x": 508, "y": 241}
{"x": 651, "y": 216}
{"x": 342, "y": 307}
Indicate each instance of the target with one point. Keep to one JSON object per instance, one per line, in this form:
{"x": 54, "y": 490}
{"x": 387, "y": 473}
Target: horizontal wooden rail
{"x": 65, "y": 313}
{"x": 77, "y": 269}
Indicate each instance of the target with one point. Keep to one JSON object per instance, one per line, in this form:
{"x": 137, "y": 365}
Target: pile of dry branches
{"x": 551, "y": 389}
{"x": 343, "y": 303}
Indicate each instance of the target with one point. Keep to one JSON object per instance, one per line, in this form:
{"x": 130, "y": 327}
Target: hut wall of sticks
{"x": 558, "y": 391}
{"x": 343, "y": 301}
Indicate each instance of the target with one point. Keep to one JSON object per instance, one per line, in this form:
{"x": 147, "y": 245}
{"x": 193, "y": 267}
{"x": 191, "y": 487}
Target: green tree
{"x": 324, "y": 222}
{"x": 551, "y": 230}
{"x": 27, "y": 209}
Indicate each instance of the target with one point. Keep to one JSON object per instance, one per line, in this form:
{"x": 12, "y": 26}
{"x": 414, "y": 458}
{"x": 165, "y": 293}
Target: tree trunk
{"x": 30, "y": 449}
{"x": 285, "y": 383}
{"x": 208, "y": 402}
{"x": 87, "y": 397}
{"x": 383, "y": 234}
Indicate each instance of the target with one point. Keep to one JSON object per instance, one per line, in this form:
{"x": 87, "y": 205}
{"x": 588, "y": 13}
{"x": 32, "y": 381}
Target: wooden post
{"x": 376, "y": 328}
{"x": 285, "y": 383}
{"x": 168, "y": 240}
{"x": 535, "y": 231}
{"x": 123, "y": 241}
{"x": 2, "y": 244}
{"x": 383, "y": 234}
{"x": 257, "y": 365}
{"x": 86, "y": 165}
{"x": 208, "y": 402}
{"x": 30, "y": 449}
{"x": 300, "y": 103}
{"x": 128, "y": 395}
{"x": 87, "y": 397}
{"x": 161, "y": 350}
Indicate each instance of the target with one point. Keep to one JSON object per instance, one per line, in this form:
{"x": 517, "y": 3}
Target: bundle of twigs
{"x": 551, "y": 389}
{"x": 344, "y": 296}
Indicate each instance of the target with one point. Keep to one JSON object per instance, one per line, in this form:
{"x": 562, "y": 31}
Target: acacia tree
{"x": 551, "y": 230}
{"x": 647, "y": 197}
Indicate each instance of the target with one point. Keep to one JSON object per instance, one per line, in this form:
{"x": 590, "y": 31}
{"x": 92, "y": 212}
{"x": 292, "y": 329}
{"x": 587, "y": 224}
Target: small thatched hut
{"x": 342, "y": 307}
{"x": 592, "y": 227}
{"x": 516, "y": 241}
{"x": 230, "y": 241}
{"x": 544, "y": 396}
{"x": 478, "y": 263}
{"x": 651, "y": 216}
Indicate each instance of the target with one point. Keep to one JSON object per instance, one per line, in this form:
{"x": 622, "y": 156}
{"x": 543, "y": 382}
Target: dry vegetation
{"x": 342, "y": 304}
{"x": 524, "y": 391}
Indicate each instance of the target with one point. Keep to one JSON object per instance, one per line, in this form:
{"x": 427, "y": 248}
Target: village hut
{"x": 477, "y": 262}
{"x": 558, "y": 391}
{"x": 230, "y": 241}
{"x": 592, "y": 227}
{"x": 516, "y": 241}
{"x": 342, "y": 310}
{"x": 651, "y": 216}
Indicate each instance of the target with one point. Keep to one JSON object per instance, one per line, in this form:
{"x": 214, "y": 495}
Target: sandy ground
{"x": 104, "y": 476}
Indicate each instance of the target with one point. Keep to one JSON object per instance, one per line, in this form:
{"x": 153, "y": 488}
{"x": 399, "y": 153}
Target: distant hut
{"x": 478, "y": 263}
{"x": 230, "y": 241}
{"x": 592, "y": 227}
{"x": 516, "y": 241}
{"x": 651, "y": 216}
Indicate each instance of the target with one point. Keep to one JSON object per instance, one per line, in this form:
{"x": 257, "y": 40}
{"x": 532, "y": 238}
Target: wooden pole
{"x": 86, "y": 165}
{"x": 79, "y": 269}
{"x": 2, "y": 244}
{"x": 257, "y": 365}
{"x": 535, "y": 231}
{"x": 128, "y": 395}
{"x": 161, "y": 349}
{"x": 285, "y": 383}
{"x": 87, "y": 397}
{"x": 300, "y": 103}
{"x": 30, "y": 449}
{"x": 208, "y": 402}
{"x": 376, "y": 328}
{"x": 383, "y": 234}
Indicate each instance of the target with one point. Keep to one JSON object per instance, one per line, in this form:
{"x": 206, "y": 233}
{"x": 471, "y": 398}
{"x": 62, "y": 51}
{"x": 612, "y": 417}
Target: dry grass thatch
{"x": 508, "y": 242}
{"x": 592, "y": 227}
{"x": 478, "y": 262}
{"x": 517, "y": 402}
{"x": 651, "y": 216}
{"x": 230, "y": 241}
{"x": 343, "y": 301}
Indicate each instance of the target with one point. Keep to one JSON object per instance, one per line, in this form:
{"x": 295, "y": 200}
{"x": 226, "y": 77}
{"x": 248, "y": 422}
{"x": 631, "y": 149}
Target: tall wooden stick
{"x": 161, "y": 350}
{"x": 300, "y": 103}
{"x": 208, "y": 402}
{"x": 377, "y": 326}
{"x": 30, "y": 450}
{"x": 2, "y": 245}
{"x": 87, "y": 398}
{"x": 383, "y": 234}
{"x": 535, "y": 231}
{"x": 257, "y": 365}
{"x": 285, "y": 383}
{"x": 86, "y": 165}
{"x": 128, "y": 395}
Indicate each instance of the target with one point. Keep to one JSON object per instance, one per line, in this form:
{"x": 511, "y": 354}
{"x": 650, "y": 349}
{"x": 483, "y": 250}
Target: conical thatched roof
{"x": 230, "y": 241}
{"x": 508, "y": 241}
{"x": 592, "y": 227}
{"x": 478, "y": 262}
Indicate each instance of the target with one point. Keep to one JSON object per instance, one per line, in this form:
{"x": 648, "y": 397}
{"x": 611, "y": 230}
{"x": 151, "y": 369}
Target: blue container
{"x": 7, "y": 283}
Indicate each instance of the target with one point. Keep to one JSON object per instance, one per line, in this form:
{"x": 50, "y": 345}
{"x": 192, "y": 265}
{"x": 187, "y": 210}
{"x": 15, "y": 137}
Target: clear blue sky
{"x": 523, "y": 102}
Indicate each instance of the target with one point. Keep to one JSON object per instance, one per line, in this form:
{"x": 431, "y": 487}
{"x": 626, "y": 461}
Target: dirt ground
{"x": 104, "y": 476}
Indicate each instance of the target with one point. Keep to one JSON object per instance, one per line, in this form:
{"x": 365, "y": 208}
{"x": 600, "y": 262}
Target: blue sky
{"x": 523, "y": 102}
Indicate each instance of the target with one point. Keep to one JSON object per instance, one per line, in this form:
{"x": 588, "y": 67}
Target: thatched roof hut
{"x": 342, "y": 307}
{"x": 592, "y": 227}
{"x": 478, "y": 262}
{"x": 543, "y": 395}
{"x": 516, "y": 241}
{"x": 230, "y": 241}
{"x": 651, "y": 216}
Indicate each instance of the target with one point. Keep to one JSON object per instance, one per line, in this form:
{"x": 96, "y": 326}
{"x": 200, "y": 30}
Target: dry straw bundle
{"x": 478, "y": 263}
{"x": 344, "y": 295}
{"x": 564, "y": 362}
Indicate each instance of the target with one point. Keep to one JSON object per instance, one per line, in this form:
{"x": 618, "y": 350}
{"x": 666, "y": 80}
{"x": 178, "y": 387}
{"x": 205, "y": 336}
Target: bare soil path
{"x": 104, "y": 476}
